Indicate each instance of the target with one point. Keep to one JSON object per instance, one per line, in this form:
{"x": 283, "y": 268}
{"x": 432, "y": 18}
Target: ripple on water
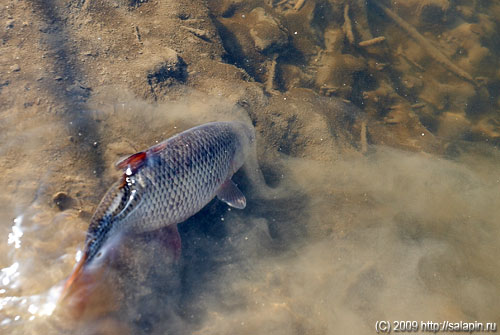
{"x": 30, "y": 283}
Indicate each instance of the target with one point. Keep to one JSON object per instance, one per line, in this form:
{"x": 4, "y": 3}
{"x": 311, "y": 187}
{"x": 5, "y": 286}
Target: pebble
{"x": 15, "y": 68}
{"x": 9, "y": 24}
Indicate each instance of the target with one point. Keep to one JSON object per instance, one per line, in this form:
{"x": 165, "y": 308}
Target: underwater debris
{"x": 299, "y": 4}
{"x": 363, "y": 138}
{"x": 271, "y": 73}
{"x": 348, "y": 25}
{"x": 371, "y": 42}
{"x": 137, "y": 34}
{"x": 266, "y": 32}
{"x": 200, "y": 33}
{"x": 431, "y": 50}
{"x": 418, "y": 105}
{"x": 335, "y": 70}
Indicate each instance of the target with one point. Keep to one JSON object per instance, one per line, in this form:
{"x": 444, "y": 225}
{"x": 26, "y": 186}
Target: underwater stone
{"x": 15, "y": 68}
{"x": 452, "y": 125}
{"x": 168, "y": 66}
{"x": 433, "y": 11}
{"x": 290, "y": 76}
{"x": 300, "y": 123}
{"x": 9, "y": 24}
{"x": 266, "y": 32}
{"x": 159, "y": 72}
{"x": 128, "y": 3}
{"x": 487, "y": 127}
{"x": 225, "y": 8}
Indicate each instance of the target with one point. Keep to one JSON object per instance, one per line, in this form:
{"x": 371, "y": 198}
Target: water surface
{"x": 386, "y": 212}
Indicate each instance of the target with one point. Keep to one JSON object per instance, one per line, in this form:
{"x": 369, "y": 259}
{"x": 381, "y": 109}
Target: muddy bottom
{"x": 377, "y": 139}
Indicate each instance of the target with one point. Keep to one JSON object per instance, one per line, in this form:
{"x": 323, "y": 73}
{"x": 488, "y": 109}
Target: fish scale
{"x": 182, "y": 177}
{"x": 170, "y": 182}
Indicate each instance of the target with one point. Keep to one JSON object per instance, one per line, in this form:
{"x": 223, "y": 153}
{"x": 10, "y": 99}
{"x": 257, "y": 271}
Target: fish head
{"x": 106, "y": 228}
{"x": 89, "y": 280}
{"x": 245, "y": 133}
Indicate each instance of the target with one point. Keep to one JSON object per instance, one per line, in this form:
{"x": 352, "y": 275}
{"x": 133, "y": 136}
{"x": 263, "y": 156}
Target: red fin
{"x": 75, "y": 276}
{"x": 134, "y": 162}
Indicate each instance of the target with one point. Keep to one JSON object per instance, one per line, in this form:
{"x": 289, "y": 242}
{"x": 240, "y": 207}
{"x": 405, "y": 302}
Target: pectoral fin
{"x": 231, "y": 195}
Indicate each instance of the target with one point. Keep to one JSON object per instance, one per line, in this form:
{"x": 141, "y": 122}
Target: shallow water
{"x": 387, "y": 235}
{"x": 387, "y": 229}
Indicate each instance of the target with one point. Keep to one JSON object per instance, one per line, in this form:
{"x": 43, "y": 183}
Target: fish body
{"x": 168, "y": 183}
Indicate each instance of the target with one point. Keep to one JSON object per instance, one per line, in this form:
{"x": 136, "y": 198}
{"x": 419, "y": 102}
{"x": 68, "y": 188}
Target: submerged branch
{"x": 428, "y": 47}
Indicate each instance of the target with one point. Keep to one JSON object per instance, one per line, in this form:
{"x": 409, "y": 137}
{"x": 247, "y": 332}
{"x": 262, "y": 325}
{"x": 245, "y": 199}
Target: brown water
{"x": 401, "y": 223}
{"x": 387, "y": 235}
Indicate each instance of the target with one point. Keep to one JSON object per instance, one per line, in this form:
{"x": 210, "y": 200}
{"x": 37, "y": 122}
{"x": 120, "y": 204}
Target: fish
{"x": 167, "y": 184}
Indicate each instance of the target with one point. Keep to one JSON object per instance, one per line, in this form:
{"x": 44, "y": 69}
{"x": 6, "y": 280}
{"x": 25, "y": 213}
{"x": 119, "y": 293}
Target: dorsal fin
{"x": 134, "y": 162}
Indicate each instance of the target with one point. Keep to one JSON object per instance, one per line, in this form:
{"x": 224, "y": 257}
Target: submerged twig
{"x": 418, "y": 105}
{"x": 348, "y": 25}
{"x": 412, "y": 62}
{"x": 363, "y": 139}
{"x": 299, "y": 4}
{"x": 271, "y": 74}
{"x": 204, "y": 35}
{"x": 137, "y": 34}
{"x": 361, "y": 18}
{"x": 428, "y": 47}
{"x": 282, "y": 2}
{"x": 372, "y": 41}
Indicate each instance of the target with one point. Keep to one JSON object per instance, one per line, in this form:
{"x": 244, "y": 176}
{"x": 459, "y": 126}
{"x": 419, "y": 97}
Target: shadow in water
{"x": 156, "y": 293}
{"x": 66, "y": 85}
